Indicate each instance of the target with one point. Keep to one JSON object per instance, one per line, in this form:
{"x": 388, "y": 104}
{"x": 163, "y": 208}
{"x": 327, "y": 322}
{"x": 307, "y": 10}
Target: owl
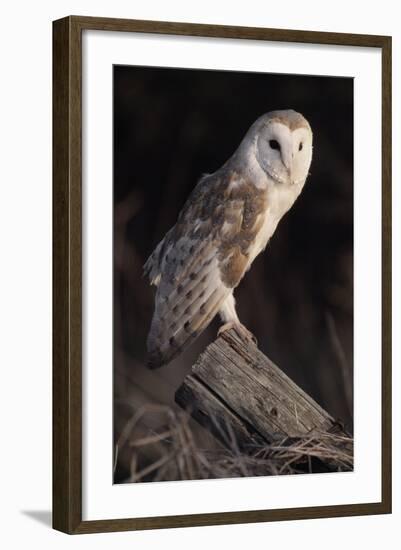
{"x": 225, "y": 223}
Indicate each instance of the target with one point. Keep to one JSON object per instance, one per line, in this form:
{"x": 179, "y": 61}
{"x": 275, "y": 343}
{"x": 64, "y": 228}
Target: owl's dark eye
{"x": 274, "y": 144}
{"x": 300, "y": 146}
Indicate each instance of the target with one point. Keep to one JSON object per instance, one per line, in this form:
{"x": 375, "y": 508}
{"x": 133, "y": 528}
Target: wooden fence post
{"x": 234, "y": 390}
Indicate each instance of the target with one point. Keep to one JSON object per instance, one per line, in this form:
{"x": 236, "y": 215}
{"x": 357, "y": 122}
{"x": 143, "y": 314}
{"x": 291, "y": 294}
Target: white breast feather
{"x": 280, "y": 199}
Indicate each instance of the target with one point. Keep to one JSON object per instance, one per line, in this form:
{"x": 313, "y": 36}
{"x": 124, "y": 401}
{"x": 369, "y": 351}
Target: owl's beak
{"x": 287, "y": 161}
{"x": 287, "y": 158}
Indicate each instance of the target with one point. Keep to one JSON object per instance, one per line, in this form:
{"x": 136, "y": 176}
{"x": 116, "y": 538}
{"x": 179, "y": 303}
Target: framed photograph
{"x": 221, "y": 272}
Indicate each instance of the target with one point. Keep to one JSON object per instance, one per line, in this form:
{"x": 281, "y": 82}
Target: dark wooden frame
{"x": 67, "y": 280}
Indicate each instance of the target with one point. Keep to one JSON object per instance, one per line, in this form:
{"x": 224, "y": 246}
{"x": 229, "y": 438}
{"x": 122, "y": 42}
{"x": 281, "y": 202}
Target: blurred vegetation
{"x": 172, "y": 125}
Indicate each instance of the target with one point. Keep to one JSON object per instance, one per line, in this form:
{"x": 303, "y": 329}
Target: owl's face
{"x": 284, "y": 147}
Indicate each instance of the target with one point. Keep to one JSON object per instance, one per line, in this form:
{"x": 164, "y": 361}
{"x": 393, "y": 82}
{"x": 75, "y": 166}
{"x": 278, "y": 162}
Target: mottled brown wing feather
{"x": 200, "y": 260}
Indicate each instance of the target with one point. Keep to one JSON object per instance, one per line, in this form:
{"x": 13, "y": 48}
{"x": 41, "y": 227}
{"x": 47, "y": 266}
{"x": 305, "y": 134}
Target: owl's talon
{"x": 225, "y": 327}
{"x": 240, "y": 328}
{"x": 248, "y": 334}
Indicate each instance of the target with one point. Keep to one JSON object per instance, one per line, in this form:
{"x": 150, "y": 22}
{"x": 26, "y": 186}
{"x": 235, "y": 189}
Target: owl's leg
{"x": 230, "y": 319}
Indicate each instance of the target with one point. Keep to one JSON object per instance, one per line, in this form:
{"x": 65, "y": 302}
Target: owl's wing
{"x": 198, "y": 263}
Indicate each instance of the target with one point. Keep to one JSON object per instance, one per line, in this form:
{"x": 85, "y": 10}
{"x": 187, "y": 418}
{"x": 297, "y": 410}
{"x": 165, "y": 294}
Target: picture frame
{"x": 68, "y": 294}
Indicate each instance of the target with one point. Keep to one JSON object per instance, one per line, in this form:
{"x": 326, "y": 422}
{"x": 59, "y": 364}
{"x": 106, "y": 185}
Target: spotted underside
{"x": 201, "y": 259}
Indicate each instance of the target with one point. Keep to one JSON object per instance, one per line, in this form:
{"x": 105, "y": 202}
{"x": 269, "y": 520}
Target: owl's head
{"x": 282, "y": 143}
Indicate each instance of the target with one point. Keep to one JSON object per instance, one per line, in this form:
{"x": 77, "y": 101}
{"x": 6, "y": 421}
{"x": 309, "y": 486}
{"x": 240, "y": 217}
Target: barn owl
{"x": 226, "y": 222}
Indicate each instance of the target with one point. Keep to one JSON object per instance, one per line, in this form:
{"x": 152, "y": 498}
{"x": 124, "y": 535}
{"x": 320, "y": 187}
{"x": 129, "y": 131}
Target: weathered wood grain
{"x": 234, "y": 383}
{"x": 212, "y": 413}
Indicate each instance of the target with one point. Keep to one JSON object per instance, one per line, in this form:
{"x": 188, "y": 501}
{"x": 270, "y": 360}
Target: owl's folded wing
{"x": 196, "y": 266}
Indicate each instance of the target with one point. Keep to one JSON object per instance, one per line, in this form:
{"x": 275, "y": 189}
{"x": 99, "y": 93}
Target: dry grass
{"x": 171, "y": 452}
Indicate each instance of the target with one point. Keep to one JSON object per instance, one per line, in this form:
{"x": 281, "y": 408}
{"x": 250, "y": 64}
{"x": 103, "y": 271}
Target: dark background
{"x": 172, "y": 125}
